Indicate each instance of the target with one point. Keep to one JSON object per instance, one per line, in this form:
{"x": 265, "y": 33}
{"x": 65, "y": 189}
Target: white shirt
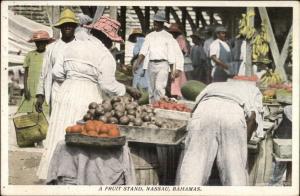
{"x": 248, "y": 96}
{"x": 215, "y": 49}
{"x": 90, "y": 60}
{"x": 159, "y": 45}
{"x": 45, "y": 86}
{"x": 207, "y": 44}
{"x": 179, "y": 58}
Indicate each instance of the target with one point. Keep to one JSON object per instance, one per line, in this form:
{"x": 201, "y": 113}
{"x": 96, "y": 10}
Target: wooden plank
{"x": 140, "y": 16}
{"x": 53, "y": 13}
{"x": 98, "y": 13}
{"x": 273, "y": 44}
{"x": 147, "y": 19}
{"x": 183, "y": 19}
{"x": 123, "y": 31}
{"x": 175, "y": 16}
{"x": 284, "y": 51}
{"x": 249, "y": 70}
{"x": 189, "y": 19}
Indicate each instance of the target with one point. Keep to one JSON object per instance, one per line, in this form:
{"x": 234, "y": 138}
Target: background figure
{"x": 180, "y": 79}
{"x": 221, "y": 56}
{"x": 33, "y": 66}
{"x": 199, "y": 58}
{"x": 209, "y": 38}
{"x": 158, "y": 46}
{"x": 138, "y": 38}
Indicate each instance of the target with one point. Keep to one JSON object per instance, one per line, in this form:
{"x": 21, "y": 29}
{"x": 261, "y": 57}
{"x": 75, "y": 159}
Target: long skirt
{"x": 177, "y": 84}
{"x": 72, "y": 102}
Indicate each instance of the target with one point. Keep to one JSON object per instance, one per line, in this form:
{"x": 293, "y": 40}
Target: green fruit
{"x": 191, "y": 89}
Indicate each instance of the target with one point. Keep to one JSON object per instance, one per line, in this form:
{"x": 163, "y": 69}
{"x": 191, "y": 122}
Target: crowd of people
{"x": 67, "y": 74}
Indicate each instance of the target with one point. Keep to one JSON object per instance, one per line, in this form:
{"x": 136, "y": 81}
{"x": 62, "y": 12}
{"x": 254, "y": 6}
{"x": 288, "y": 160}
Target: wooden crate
{"x": 171, "y": 114}
{"x": 283, "y": 148}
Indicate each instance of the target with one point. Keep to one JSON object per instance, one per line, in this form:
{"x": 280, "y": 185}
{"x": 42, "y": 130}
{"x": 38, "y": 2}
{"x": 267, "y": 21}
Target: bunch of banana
{"x": 260, "y": 46}
{"x": 245, "y": 29}
{"x": 270, "y": 78}
{"x": 267, "y": 99}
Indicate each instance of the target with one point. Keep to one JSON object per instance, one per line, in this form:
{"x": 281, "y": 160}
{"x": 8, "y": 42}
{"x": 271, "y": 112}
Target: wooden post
{"x": 167, "y": 14}
{"x": 147, "y": 19}
{"x": 279, "y": 64}
{"x": 249, "y": 70}
{"x": 196, "y": 10}
{"x": 53, "y": 13}
{"x": 113, "y": 12}
{"x": 123, "y": 32}
{"x": 184, "y": 15}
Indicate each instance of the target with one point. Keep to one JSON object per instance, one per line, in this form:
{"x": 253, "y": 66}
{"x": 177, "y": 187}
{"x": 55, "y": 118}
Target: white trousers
{"x": 158, "y": 78}
{"x": 218, "y": 131}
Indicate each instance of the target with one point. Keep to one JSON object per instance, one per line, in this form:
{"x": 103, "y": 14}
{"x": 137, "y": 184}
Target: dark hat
{"x": 220, "y": 29}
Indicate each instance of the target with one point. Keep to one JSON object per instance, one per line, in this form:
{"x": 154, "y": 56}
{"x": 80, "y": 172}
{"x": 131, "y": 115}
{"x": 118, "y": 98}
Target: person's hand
{"x": 27, "y": 94}
{"x": 135, "y": 67}
{"x": 177, "y": 73}
{"x": 39, "y": 103}
{"x": 133, "y": 92}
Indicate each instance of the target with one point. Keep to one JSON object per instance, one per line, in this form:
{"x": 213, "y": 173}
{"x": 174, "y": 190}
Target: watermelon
{"x": 191, "y": 89}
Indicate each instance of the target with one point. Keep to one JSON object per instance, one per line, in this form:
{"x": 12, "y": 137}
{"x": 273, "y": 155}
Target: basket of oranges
{"x": 94, "y": 133}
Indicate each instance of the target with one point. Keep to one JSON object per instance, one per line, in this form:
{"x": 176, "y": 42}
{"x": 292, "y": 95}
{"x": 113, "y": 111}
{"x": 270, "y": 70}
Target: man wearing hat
{"x": 137, "y": 37}
{"x": 221, "y": 57}
{"x": 158, "y": 45}
{"x": 47, "y": 88}
{"x": 198, "y": 57}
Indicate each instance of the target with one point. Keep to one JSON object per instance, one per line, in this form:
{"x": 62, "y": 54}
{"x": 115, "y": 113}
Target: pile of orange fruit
{"x": 95, "y": 128}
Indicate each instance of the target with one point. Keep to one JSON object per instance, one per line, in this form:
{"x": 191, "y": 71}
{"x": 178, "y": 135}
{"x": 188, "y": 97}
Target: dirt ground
{"x": 25, "y": 163}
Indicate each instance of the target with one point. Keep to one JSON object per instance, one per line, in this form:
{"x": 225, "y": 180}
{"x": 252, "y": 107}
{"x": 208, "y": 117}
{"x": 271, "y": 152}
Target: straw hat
{"x": 108, "y": 26}
{"x": 160, "y": 16}
{"x": 174, "y": 27}
{"x": 220, "y": 29}
{"x": 66, "y": 16}
{"x": 199, "y": 33}
{"x": 40, "y": 36}
{"x": 135, "y": 32}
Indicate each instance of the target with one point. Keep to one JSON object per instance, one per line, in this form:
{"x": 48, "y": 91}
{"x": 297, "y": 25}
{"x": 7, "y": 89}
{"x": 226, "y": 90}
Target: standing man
{"x": 47, "y": 88}
{"x": 221, "y": 57}
{"x": 222, "y": 123}
{"x": 199, "y": 58}
{"x": 159, "y": 46}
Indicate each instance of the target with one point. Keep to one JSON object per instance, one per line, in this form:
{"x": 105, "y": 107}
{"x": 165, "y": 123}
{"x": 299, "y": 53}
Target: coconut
{"x": 113, "y": 120}
{"x": 107, "y": 107}
{"x": 146, "y": 118}
{"x": 91, "y": 111}
{"x": 115, "y": 99}
{"x": 130, "y": 124}
{"x": 87, "y": 117}
{"x": 138, "y": 122}
{"x": 93, "y": 105}
{"x": 108, "y": 114}
{"x": 119, "y": 114}
{"x": 158, "y": 123}
{"x": 103, "y": 119}
{"x": 99, "y": 111}
{"x": 124, "y": 120}
{"x": 131, "y": 118}
{"x": 152, "y": 126}
{"x": 131, "y": 112}
{"x": 130, "y": 106}
{"x": 120, "y": 108}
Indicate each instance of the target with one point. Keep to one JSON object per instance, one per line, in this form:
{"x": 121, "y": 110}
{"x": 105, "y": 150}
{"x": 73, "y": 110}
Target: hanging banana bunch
{"x": 245, "y": 29}
{"x": 260, "y": 46}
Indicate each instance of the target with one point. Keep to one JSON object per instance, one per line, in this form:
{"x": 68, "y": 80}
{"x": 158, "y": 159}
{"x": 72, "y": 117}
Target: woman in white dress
{"x": 85, "y": 69}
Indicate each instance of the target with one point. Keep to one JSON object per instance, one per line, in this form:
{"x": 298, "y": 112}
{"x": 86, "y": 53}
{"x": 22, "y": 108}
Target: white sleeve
{"x": 179, "y": 61}
{"x": 145, "y": 47}
{"x": 58, "y": 71}
{"x": 146, "y": 62}
{"x": 46, "y": 61}
{"x": 171, "y": 51}
{"x": 107, "y": 79}
{"x": 214, "y": 49}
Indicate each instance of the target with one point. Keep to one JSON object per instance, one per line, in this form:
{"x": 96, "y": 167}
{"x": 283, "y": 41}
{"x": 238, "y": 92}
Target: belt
{"x": 158, "y": 60}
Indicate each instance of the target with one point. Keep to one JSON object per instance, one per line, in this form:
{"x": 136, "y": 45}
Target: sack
{"x": 30, "y": 128}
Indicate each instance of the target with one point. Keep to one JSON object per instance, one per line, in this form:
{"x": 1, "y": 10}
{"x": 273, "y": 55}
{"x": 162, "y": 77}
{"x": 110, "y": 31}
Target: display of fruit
{"x": 245, "y": 28}
{"x": 270, "y": 78}
{"x": 288, "y": 87}
{"x": 124, "y": 110}
{"x": 171, "y": 106}
{"x": 247, "y": 78}
{"x": 191, "y": 89}
{"x": 260, "y": 46}
{"x": 95, "y": 128}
